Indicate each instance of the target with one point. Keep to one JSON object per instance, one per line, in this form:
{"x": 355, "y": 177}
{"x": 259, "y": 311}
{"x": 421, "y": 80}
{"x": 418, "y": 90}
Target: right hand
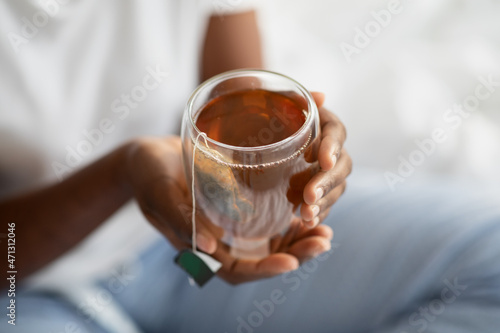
{"x": 156, "y": 173}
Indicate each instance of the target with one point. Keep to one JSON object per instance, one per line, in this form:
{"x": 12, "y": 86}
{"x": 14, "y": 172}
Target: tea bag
{"x": 219, "y": 186}
{"x": 199, "y": 266}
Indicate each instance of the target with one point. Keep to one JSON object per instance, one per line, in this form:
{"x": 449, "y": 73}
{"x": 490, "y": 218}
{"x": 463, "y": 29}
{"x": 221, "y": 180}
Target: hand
{"x": 156, "y": 175}
{"x": 298, "y": 245}
{"x": 328, "y": 184}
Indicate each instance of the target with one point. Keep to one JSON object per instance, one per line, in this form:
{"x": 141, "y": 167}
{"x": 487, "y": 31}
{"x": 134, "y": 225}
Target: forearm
{"x": 231, "y": 42}
{"x": 51, "y": 220}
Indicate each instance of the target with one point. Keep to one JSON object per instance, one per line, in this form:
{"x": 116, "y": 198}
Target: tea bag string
{"x": 193, "y": 216}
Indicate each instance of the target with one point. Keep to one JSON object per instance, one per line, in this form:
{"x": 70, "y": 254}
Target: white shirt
{"x": 79, "y": 78}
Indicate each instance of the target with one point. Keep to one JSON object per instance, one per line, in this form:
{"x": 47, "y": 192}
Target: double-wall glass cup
{"x": 254, "y": 135}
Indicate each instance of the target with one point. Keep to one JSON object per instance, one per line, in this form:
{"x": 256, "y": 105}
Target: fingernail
{"x": 202, "y": 242}
{"x": 315, "y": 221}
{"x": 315, "y": 210}
{"x": 319, "y": 194}
{"x": 308, "y": 224}
{"x": 326, "y": 248}
{"x": 334, "y": 159}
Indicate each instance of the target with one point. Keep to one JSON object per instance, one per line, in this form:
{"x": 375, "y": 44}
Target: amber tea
{"x": 251, "y": 118}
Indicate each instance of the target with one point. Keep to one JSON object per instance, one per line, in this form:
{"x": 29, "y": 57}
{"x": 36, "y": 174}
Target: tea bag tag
{"x": 199, "y": 266}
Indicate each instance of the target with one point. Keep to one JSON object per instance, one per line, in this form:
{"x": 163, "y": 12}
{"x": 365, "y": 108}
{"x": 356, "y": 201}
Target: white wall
{"x": 398, "y": 88}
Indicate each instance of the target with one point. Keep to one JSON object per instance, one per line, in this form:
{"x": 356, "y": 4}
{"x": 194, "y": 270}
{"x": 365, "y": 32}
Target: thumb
{"x": 202, "y": 232}
{"x": 205, "y": 240}
{"x": 168, "y": 207}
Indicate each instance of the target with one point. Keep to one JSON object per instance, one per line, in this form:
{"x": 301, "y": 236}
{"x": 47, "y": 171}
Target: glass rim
{"x": 311, "y": 104}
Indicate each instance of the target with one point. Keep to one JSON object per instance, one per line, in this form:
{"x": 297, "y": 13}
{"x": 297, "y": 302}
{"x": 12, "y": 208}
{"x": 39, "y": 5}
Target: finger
{"x": 331, "y": 198}
{"x": 304, "y": 232}
{"x": 243, "y": 270}
{"x": 275, "y": 242}
{"x": 324, "y": 181}
{"x": 170, "y": 206}
{"x": 333, "y": 135}
{"x": 317, "y": 220}
{"x": 290, "y": 235}
{"x": 298, "y": 181}
{"x": 324, "y": 231}
{"x": 206, "y": 233}
{"x": 323, "y": 215}
{"x": 319, "y": 98}
{"x": 309, "y": 247}
{"x": 309, "y": 212}
{"x": 275, "y": 264}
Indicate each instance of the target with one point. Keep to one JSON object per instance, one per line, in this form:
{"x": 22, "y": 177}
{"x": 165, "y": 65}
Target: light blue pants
{"x": 421, "y": 259}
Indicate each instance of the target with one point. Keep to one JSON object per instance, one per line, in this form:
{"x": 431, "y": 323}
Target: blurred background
{"x": 409, "y": 80}
{"x": 395, "y": 71}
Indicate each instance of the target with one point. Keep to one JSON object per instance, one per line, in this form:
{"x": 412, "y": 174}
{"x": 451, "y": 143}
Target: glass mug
{"x": 256, "y": 138}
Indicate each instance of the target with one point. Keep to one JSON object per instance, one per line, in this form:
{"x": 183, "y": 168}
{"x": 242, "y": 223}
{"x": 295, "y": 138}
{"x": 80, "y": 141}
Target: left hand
{"x": 328, "y": 184}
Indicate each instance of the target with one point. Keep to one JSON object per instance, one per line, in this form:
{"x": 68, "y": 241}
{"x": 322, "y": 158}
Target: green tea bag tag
{"x": 200, "y": 266}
